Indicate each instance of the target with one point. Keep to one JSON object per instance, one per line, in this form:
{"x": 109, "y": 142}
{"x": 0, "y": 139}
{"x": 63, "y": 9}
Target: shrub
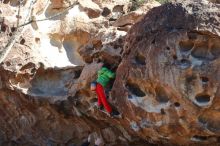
{"x": 163, "y": 1}
{"x": 136, "y": 4}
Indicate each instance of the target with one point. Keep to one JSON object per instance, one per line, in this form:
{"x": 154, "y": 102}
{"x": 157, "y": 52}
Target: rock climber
{"x": 104, "y": 76}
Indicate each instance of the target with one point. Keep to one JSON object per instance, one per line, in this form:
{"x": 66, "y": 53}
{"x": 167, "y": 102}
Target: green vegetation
{"x": 163, "y": 1}
{"x": 136, "y": 4}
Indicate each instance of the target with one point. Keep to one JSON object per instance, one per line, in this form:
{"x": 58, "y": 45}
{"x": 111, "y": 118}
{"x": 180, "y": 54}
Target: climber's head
{"x": 93, "y": 86}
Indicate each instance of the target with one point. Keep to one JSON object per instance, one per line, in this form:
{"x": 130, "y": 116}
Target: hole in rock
{"x": 161, "y": 95}
{"x": 74, "y": 100}
{"x": 93, "y": 100}
{"x": 112, "y": 19}
{"x": 77, "y": 73}
{"x": 33, "y": 70}
{"x": 177, "y": 104}
{"x": 200, "y": 138}
{"x": 162, "y": 111}
{"x": 192, "y": 35}
{"x": 15, "y": 3}
{"x": 17, "y": 16}
{"x": 64, "y": 107}
{"x": 27, "y": 66}
{"x": 37, "y": 40}
{"x": 3, "y": 27}
{"x": 10, "y": 34}
{"x": 22, "y": 41}
{"x": 183, "y": 64}
{"x": 118, "y": 8}
{"x": 6, "y": 1}
{"x": 204, "y": 79}
{"x": 120, "y": 41}
{"x": 140, "y": 59}
{"x": 134, "y": 89}
{"x": 115, "y": 47}
{"x": 154, "y": 41}
{"x": 191, "y": 78}
{"x": 168, "y": 48}
{"x": 13, "y": 29}
{"x": 174, "y": 57}
{"x": 8, "y": 63}
{"x": 202, "y": 98}
{"x": 215, "y": 49}
{"x": 186, "y": 45}
{"x": 106, "y": 11}
{"x": 200, "y": 51}
{"x": 70, "y": 98}
{"x": 183, "y": 60}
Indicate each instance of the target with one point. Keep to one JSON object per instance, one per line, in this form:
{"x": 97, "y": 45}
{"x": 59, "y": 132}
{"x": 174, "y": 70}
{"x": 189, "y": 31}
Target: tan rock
{"x": 134, "y": 16}
{"x": 128, "y": 19}
{"x": 168, "y": 74}
{"x": 39, "y": 7}
{"x": 214, "y": 1}
{"x": 91, "y": 8}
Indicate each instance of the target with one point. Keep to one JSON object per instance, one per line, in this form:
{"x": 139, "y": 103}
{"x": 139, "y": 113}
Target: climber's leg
{"x": 101, "y": 96}
{"x": 99, "y": 100}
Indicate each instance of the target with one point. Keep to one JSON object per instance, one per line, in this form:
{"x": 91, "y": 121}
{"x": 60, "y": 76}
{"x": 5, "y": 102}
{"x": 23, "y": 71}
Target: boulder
{"x": 167, "y": 73}
{"x": 167, "y": 84}
{"x": 128, "y": 19}
{"x": 215, "y": 1}
{"x": 92, "y": 9}
{"x": 134, "y": 16}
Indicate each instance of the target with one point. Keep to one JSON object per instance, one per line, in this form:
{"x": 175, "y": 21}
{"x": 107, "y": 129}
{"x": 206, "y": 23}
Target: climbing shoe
{"x": 100, "y": 107}
{"x": 114, "y": 114}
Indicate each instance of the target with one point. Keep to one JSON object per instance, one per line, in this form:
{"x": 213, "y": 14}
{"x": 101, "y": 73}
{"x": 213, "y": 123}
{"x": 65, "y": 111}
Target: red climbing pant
{"x": 102, "y": 98}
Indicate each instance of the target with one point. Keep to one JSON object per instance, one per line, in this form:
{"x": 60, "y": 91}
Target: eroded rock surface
{"x": 45, "y": 99}
{"x": 169, "y": 76}
{"x": 167, "y": 82}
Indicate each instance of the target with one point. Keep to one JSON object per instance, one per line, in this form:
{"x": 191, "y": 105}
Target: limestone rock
{"x": 39, "y": 7}
{"x": 107, "y": 46}
{"x": 167, "y": 83}
{"x": 134, "y": 16}
{"x": 169, "y": 76}
{"x": 128, "y": 19}
{"x": 215, "y": 1}
{"x": 91, "y": 8}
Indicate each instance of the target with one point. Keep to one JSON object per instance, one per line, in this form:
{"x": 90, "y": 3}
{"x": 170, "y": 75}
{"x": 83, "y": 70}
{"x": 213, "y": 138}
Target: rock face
{"x": 44, "y": 80}
{"x": 168, "y": 79}
{"x": 167, "y": 82}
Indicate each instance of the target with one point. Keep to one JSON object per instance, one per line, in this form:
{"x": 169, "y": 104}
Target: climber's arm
{"x": 111, "y": 74}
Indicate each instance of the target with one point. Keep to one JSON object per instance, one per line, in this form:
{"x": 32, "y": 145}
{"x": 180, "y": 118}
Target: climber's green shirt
{"x": 104, "y": 76}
